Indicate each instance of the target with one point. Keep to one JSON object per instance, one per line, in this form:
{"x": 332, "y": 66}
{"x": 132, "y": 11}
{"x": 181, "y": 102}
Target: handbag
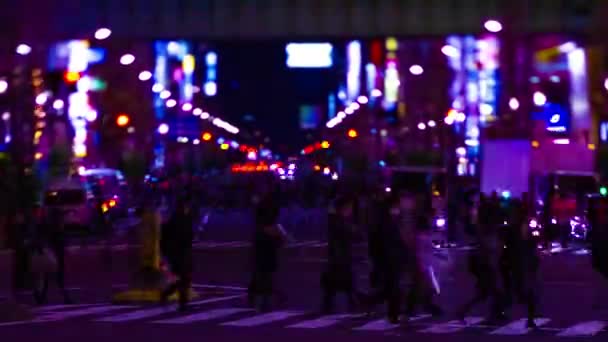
{"x": 43, "y": 262}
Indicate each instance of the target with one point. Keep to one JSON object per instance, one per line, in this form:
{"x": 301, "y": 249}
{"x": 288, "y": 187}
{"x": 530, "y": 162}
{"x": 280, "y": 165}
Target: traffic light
{"x": 603, "y": 191}
{"x": 207, "y": 136}
{"x": 352, "y": 133}
{"x": 325, "y": 144}
{"x": 122, "y": 120}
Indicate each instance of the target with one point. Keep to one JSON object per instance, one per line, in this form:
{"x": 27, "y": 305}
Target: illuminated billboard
{"x": 309, "y": 55}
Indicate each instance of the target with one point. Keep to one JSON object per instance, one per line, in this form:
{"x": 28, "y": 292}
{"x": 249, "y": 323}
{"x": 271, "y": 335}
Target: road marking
{"x": 211, "y": 286}
{"x": 303, "y": 244}
{"x": 584, "y": 329}
{"x": 452, "y": 326}
{"x": 157, "y": 311}
{"x": 267, "y": 318}
{"x": 204, "y": 316}
{"x": 63, "y": 315}
{"x": 519, "y": 327}
{"x": 384, "y": 325}
{"x": 323, "y": 322}
{"x": 64, "y": 306}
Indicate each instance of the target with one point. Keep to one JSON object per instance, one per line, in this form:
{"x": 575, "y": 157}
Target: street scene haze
{"x": 304, "y": 170}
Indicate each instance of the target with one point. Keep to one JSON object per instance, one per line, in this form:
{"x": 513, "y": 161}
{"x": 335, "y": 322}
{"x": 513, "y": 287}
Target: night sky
{"x": 254, "y": 80}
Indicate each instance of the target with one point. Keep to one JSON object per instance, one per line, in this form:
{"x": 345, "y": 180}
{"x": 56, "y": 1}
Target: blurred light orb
{"x": 58, "y": 104}
{"x": 23, "y": 49}
{"x": 432, "y": 123}
{"x": 171, "y": 103}
{"x": 42, "y": 98}
{"x": 362, "y": 99}
{"x": 450, "y": 51}
{"x": 376, "y": 93}
{"x": 493, "y": 26}
{"x": 197, "y": 111}
{"x": 605, "y": 84}
{"x": 157, "y": 88}
{"x": 103, "y": 33}
{"x": 514, "y": 104}
{"x": 127, "y": 59}
{"x": 539, "y": 98}
{"x": 145, "y": 75}
{"x": 422, "y": 126}
{"x": 3, "y": 86}
{"x": 163, "y": 128}
{"x": 186, "y": 107}
{"x": 416, "y": 70}
{"x": 165, "y": 94}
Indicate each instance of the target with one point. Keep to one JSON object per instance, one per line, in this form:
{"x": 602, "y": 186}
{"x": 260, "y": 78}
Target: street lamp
{"x": 493, "y": 26}
{"x": 145, "y": 75}
{"x": 23, "y": 49}
{"x": 3, "y": 86}
{"x": 102, "y": 33}
{"x": 127, "y": 59}
{"x": 416, "y": 70}
{"x": 163, "y": 129}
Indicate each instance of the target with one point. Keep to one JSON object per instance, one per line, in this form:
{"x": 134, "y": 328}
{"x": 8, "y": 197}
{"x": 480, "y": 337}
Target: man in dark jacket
{"x": 177, "y": 247}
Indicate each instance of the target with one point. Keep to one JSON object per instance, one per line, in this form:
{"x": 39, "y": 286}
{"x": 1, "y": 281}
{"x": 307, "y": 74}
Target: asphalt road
{"x": 219, "y": 314}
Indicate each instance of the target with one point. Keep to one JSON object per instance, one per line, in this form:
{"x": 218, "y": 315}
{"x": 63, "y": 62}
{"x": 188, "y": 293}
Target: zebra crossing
{"x": 206, "y": 311}
{"x": 246, "y": 244}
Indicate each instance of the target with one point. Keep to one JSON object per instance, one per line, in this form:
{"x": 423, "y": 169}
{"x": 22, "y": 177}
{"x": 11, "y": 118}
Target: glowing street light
{"x": 165, "y": 94}
{"x": 127, "y": 59}
{"x": 539, "y": 98}
{"x": 197, "y": 111}
{"x": 450, "y": 51}
{"x": 58, "y": 104}
{"x": 493, "y": 26}
{"x": 122, "y": 120}
{"x": 514, "y": 104}
{"x": 171, "y": 103}
{"x": 145, "y": 75}
{"x": 422, "y": 126}
{"x": 186, "y": 107}
{"x": 23, "y": 49}
{"x": 103, "y": 33}
{"x": 207, "y": 136}
{"x": 163, "y": 129}
{"x": 416, "y": 70}
{"x": 352, "y": 133}
{"x": 605, "y": 84}
{"x": 3, "y": 86}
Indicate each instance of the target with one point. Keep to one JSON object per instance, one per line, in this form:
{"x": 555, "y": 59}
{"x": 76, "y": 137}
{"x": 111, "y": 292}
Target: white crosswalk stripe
{"x": 158, "y": 311}
{"x": 292, "y": 319}
{"x": 519, "y": 327}
{"x": 204, "y": 316}
{"x": 262, "y": 319}
{"x": 323, "y": 322}
{"x": 63, "y": 315}
{"x": 585, "y": 329}
{"x": 452, "y": 326}
{"x": 384, "y": 325}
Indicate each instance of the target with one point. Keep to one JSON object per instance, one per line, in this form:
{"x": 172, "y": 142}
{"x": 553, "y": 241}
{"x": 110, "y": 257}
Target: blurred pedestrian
{"x": 49, "y": 249}
{"x": 483, "y": 262}
{"x": 598, "y": 217}
{"x": 339, "y": 274}
{"x": 390, "y": 257}
{"x": 425, "y": 280}
{"x": 269, "y": 236}
{"x": 521, "y": 277}
{"x": 176, "y": 243}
